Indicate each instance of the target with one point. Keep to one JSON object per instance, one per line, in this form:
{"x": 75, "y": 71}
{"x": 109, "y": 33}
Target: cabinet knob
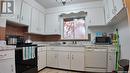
{"x": 72, "y": 57}
{"x": 12, "y": 68}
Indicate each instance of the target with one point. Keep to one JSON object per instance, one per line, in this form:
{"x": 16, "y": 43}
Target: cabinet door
{"x": 111, "y": 8}
{"x": 26, "y": 14}
{"x": 64, "y": 60}
{"x": 77, "y": 61}
{"x": 41, "y": 23}
{"x": 7, "y": 66}
{"x": 107, "y": 13}
{"x": 52, "y": 24}
{"x": 34, "y": 21}
{"x": 118, "y": 5}
{"x": 111, "y": 62}
{"x": 95, "y": 17}
{"x": 52, "y": 59}
{"x": 41, "y": 60}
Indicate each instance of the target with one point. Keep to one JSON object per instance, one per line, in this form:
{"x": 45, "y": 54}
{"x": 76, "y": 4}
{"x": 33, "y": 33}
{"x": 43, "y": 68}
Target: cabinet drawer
{"x": 40, "y": 49}
{"x": 7, "y": 54}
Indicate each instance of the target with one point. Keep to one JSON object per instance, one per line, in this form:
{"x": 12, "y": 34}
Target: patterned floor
{"x": 48, "y": 70}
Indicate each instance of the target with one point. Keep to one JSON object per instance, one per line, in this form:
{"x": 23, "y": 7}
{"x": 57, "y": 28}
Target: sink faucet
{"x": 74, "y": 42}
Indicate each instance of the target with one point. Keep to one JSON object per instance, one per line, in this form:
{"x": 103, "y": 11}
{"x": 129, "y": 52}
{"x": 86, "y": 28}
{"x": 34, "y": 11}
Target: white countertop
{"x": 5, "y": 47}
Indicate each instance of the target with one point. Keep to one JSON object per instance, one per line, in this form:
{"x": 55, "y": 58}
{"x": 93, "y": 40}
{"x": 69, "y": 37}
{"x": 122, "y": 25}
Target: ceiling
{"x": 53, "y": 3}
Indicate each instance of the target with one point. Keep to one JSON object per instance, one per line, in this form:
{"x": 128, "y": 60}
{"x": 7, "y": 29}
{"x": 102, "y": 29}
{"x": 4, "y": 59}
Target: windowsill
{"x": 89, "y": 39}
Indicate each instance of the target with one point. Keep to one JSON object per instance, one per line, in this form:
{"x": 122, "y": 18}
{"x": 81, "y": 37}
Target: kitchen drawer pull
{"x": 4, "y": 55}
{"x": 89, "y": 50}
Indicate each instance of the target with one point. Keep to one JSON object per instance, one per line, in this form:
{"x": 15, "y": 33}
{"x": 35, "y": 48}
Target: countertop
{"x": 5, "y": 48}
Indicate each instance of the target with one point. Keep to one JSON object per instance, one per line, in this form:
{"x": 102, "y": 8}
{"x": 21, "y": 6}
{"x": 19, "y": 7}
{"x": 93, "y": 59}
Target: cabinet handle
{"x": 3, "y": 55}
{"x": 55, "y": 56}
{"x": 113, "y": 11}
{"x": 89, "y": 21}
{"x": 72, "y": 57}
{"x": 68, "y": 56}
{"x": 22, "y": 17}
{"x": 12, "y": 69}
{"x": 17, "y": 16}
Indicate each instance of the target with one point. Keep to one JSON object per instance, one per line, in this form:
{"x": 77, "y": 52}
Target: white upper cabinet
{"x": 18, "y": 5}
{"x": 41, "y": 22}
{"x": 25, "y": 14}
{"x": 118, "y": 5}
{"x": 95, "y": 17}
{"x": 52, "y": 24}
{"x": 112, "y": 8}
{"x": 34, "y": 21}
{"x": 37, "y": 22}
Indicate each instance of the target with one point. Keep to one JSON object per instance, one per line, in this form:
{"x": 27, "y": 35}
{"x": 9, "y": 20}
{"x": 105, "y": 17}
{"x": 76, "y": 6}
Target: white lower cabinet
{"x": 7, "y": 61}
{"x": 77, "y": 61}
{"x": 52, "y": 59}
{"x": 7, "y": 66}
{"x": 70, "y": 58}
{"x": 64, "y": 60}
{"x": 41, "y": 58}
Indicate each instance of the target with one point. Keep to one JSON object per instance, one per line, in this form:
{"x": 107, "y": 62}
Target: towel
{"x": 24, "y": 53}
{"x": 33, "y": 52}
{"x": 28, "y": 53}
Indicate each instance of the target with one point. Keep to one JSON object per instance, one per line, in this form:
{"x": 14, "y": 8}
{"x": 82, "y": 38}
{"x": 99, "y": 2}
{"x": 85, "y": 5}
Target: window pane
{"x": 79, "y": 29}
{"x": 74, "y": 28}
{"x": 68, "y": 30}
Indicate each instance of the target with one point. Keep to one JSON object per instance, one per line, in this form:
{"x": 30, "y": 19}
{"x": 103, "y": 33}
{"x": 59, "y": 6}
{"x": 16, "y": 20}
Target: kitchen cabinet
{"x": 71, "y": 58}
{"x": 95, "y": 17}
{"x": 52, "y": 25}
{"x": 77, "y": 61}
{"x": 64, "y": 60}
{"x": 41, "y": 57}
{"x": 41, "y": 23}
{"x": 26, "y": 14}
{"x": 112, "y": 8}
{"x": 111, "y": 59}
{"x": 37, "y": 22}
{"x": 7, "y": 66}
{"x": 34, "y": 21}
{"x": 7, "y": 61}
{"x": 118, "y": 5}
{"x": 52, "y": 59}
{"x": 107, "y": 14}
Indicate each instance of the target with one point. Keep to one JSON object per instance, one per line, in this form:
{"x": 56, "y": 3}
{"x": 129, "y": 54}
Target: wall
{"x": 124, "y": 33}
{"x": 52, "y": 14}
{"x": 105, "y": 29}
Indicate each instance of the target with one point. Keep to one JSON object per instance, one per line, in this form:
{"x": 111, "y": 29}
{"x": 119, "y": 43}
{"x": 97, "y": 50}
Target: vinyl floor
{"x": 48, "y": 70}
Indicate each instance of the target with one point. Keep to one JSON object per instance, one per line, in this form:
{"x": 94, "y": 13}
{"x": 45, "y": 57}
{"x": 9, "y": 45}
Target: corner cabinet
{"x": 41, "y": 58}
{"x": 112, "y": 8}
{"x": 52, "y": 59}
{"x": 52, "y": 25}
{"x": 95, "y": 17}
